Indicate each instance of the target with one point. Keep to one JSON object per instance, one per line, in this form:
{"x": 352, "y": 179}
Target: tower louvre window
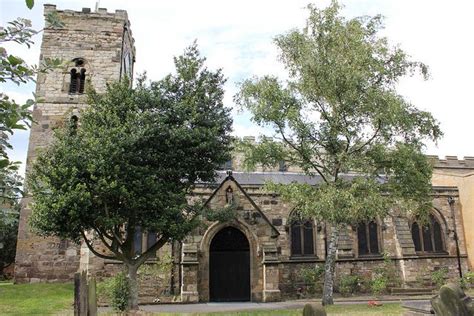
{"x": 77, "y": 77}
{"x": 73, "y": 84}
{"x": 82, "y": 81}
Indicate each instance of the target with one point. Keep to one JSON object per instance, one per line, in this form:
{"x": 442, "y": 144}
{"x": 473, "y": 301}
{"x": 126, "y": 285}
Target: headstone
{"x": 77, "y": 291}
{"x": 92, "y": 297}
{"x": 451, "y": 301}
{"x": 314, "y": 310}
{"x": 80, "y": 294}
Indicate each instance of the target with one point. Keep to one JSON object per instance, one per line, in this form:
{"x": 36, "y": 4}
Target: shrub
{"x": 116, "y": 290}
{"x": 467, "y": 280}
{"x": 349, "y": 284}
{"x": 385, "y": 276}
{"x": 120, "y": 292}
{"x": 438, "y": 277}
{"x": 379, "y": 284}
{"x": 312, "y": 277}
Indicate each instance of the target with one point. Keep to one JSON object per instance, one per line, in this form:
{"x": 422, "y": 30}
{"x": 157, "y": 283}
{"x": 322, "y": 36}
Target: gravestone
{"x": 314, "y": 310}
{"x": 452, "y": 301}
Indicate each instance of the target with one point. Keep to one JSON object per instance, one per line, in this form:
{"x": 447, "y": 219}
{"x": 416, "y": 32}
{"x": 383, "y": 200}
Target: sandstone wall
{"x": 459, "y": 173}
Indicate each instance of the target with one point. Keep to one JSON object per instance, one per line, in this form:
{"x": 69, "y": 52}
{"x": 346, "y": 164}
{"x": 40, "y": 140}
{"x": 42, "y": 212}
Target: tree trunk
{"x": 133, "y": 284}
{"x": 329, "y": 267}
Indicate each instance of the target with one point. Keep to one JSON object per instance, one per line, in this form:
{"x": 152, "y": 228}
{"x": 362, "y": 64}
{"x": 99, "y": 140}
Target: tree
{"x": 9, "y": 213}
{"x": 339, "y": 117}
{"x": 130, "y": 162}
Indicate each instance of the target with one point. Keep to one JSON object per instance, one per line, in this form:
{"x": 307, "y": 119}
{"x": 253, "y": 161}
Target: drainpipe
{"x": 451, "y": 202}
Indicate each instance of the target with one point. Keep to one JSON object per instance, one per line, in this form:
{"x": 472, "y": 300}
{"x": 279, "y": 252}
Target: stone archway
{"x": 229, "y": 266}
{"x": 256, "y": 269}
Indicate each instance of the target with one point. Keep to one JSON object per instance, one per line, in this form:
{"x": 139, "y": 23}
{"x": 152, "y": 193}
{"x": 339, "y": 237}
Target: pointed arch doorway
{"x": 229, "y": 266}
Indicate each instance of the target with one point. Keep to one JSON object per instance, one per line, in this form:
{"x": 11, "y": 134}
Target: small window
{"x": 427, "y": 238}
{"x": 77, "y": 77}
{"x": 368, "y": 238}
{"x": 302, "y": 238}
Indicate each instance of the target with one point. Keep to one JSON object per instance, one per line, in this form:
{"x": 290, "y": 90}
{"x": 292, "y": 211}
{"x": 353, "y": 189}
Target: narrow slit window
{"x": 73, "y": 82}
{"x": 82, "y": 81}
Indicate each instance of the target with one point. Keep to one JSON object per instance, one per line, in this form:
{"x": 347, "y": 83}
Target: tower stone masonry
{"x": 95, "y": 48}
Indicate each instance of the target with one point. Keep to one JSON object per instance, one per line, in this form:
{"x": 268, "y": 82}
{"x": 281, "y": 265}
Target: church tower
{"x": 96, "y": 48}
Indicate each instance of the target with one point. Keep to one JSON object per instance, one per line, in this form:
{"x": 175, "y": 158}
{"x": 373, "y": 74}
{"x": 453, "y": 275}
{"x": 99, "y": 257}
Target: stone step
{"x": 412, "y": 291}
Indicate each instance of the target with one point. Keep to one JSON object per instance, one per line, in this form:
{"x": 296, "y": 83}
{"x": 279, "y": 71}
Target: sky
{"x": 238, "y": 37}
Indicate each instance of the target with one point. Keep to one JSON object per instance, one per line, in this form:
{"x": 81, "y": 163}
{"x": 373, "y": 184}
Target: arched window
{"x": 368, "y": 238}
{"x": 302, "y": 238}
{"x": 427, "y": 237}
{"x": 77, "y": 77}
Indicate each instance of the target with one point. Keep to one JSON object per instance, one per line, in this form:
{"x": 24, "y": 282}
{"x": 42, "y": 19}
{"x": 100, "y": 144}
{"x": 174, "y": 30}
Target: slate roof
{"x": 259, "y": 178}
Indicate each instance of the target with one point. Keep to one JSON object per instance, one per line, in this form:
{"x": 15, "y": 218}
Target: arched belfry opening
{"x": 229, "y": 266}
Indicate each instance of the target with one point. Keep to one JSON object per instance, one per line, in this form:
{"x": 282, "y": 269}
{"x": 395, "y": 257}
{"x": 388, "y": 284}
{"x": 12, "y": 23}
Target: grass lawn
{"x": 391, "y": 309}
{"x": 35, "y": 299}
{"x": 57, "y": 299}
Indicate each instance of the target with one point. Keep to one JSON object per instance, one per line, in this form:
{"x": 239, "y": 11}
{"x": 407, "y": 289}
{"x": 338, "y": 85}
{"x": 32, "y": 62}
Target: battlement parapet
{"x": 452, "y": 162}
{"x": 87, "y": 12}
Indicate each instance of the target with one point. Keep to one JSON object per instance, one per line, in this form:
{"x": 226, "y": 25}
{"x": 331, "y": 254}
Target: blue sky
{"x": 237, "y": 36}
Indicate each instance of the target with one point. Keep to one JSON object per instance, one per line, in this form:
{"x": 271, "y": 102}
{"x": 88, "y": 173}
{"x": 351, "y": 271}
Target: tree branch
{"x": 369, "y": 141}
{"x": 315, "y": 166}
{"x": 91, "y": 248}
{"x": 114, "y": 232}
{"x": 153, "y": 249}
{"x": 112, "y": 247}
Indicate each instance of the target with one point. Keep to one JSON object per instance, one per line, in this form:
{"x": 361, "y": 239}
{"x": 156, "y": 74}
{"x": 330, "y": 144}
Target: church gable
{"x": 231, "y": 193}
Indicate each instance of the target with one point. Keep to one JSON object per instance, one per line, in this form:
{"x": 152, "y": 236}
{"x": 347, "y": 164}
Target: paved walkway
{"x": 247, "y": 306}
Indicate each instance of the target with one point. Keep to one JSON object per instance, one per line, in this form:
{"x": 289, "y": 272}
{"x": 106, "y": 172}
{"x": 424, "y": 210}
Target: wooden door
{"x": 229, "y": 266}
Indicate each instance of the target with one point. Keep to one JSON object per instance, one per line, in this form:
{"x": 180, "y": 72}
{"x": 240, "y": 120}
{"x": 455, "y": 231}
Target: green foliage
{"x": 349, "y": 284}
{"x": 9, "y": 216}
{"x": 30, "y": 3}
{"x": 467, "y": 280}
{"x": 132, "y": 160}
{"x": 115, "y": 290}
{"x": 119, "y": 292}
{"x": 379, "y": 284}
{"x": 312, "y": 277}
{"x": 439, "y": 276}
{"x": 339, "y": 117}
{"x": 384, "y": 276}
{"x": 104, "y": 290}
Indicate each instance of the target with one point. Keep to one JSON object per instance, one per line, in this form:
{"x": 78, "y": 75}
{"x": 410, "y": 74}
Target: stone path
{"x": 247, "y": 306}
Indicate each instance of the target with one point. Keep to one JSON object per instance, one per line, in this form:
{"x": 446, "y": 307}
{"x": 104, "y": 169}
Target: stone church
{"x": 260, "y": 254}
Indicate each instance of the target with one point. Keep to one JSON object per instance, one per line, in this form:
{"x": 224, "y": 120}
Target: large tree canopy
{"x": 131, "y": 160}
{"x": 339, "y": 117}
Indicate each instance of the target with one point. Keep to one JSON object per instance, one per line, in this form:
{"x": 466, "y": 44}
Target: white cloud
{"x": 237, "y": 36}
